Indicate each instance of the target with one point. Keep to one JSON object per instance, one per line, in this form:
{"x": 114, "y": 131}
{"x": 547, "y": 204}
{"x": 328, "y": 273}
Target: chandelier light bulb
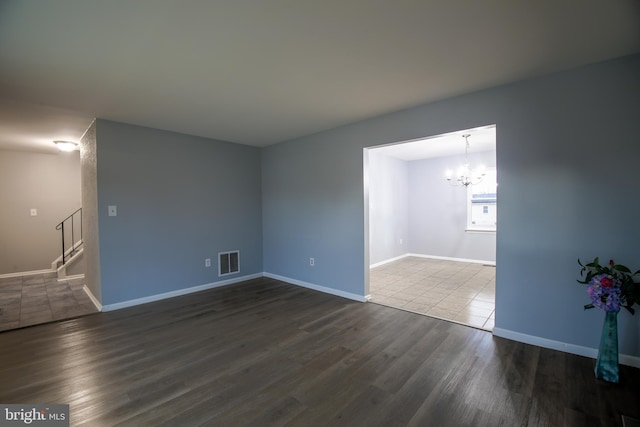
{"x": 466, "y": 175}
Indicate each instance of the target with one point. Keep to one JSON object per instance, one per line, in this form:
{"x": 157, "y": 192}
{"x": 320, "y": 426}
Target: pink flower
{"x": 606, "y": 282}
{"x": 611, "y": 263}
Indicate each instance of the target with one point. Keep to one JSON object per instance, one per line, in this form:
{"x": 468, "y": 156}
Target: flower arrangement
{"x": 611, "y": 286}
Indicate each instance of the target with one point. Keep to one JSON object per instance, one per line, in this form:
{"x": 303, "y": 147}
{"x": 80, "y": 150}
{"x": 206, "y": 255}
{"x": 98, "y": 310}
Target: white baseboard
{"x": 92, "y": 297}
{"x": 72, "y": 277}
{"x": 624, "y": 359}
{"x": 446, "y": 258}
{"x": 349, "y": 295}
{"x": 387, "y": 261}
{"x": 178, "y": 292}
{"x": 25, "y": 273}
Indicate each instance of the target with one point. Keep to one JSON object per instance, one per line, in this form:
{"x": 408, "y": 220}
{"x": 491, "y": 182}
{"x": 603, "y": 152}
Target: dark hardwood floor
{"x": 267, "y": 353}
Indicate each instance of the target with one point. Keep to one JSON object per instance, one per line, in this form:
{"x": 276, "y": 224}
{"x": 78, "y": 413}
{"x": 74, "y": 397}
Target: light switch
{"x": 34, "y": 212}
{"x": 113, "y": 210}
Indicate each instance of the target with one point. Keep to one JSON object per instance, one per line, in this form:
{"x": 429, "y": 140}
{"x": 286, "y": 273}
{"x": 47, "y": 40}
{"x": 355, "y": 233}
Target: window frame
{"x": 471, "y": 227}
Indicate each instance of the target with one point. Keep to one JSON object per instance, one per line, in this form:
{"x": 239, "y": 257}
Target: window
{"x": 482, "y": 214}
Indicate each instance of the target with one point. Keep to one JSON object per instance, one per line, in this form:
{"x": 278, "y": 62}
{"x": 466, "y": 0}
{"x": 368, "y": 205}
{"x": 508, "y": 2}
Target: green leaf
{"x": 621, "y": 268}
{"x": 630, "y": 309}
{"x": 588, "y": 306}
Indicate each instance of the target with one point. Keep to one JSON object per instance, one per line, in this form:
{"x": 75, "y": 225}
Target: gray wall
{"x": 438, "y": 211}
{"x": 49, "y": 183}
{"x": 89, "y": 186}
{"x": 313, "y": 206}
{"x": 567, "y": 151}
{"x": 180, "y": 199}
{"x": 388, "y": 207}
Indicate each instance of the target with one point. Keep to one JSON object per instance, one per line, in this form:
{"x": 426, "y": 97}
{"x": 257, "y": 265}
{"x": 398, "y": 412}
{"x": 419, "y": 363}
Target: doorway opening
{"x": 42, "y": 271}
{"x": 430, "y": 237}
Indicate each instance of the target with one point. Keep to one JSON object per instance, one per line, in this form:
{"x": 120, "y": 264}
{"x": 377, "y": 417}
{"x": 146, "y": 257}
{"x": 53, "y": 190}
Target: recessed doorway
{"x": 431, "y": 236}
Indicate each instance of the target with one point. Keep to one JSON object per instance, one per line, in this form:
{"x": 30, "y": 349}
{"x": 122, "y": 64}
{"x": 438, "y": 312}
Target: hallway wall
{"x": 388, "y": 207}
{"x": 49, "y": 183}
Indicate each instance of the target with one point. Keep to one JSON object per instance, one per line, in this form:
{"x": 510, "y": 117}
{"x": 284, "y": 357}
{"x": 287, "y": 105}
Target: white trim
{"x": 25, "y": 273}
{"x": 62, "y": 270}
{"x": 387, "y": 261}
{"x": 178, "y": 292}
{"x": 66, "y": 278}
{"x": 446, "y": 258}
{"x": 92, "y": 297}
{"x": 54, "y": 263}
{"x": 332, "y": 291}
{"x": 625, "y": 359}
{"x": 72, "y": 277}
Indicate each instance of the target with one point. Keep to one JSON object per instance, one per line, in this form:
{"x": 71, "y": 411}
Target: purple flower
{"x": 605, "y": 292}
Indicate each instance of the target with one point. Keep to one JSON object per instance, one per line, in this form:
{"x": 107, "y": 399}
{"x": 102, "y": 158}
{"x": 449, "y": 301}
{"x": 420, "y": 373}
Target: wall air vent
{"x": 228, "y": 263}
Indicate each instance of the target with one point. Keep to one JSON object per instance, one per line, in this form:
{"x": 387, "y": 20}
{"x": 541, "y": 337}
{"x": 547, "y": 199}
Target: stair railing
{"x": 70, "y": 224}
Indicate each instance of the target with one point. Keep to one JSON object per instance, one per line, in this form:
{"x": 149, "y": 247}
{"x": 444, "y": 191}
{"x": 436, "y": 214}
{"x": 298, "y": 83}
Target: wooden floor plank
{"x": 265, "y": 352}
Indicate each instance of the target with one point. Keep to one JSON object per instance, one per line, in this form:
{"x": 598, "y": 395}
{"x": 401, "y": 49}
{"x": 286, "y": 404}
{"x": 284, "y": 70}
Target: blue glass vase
{"x": 607, "y": 364}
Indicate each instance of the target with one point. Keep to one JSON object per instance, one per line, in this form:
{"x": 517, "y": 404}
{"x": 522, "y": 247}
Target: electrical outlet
{"x": 34, "y": 212}
{"x": 400, "y": 241}
{"x": 113, "y": 210}
{"x": 207, "y": 262}
{"x": 312, "y": 262}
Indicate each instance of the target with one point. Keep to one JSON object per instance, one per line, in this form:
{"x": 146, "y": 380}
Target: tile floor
{"x": 451, "y": 290}
{"x": 41, "y": 298}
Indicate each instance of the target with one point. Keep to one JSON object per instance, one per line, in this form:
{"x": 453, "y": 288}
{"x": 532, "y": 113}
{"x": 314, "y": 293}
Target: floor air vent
{"x": 228, "y": 263}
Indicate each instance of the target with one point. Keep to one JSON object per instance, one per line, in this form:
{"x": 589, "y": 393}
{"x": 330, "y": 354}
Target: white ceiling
{"x": 480, "y": 139}
{"x": 262, "y": 71}
{"x": 33, "y": 127}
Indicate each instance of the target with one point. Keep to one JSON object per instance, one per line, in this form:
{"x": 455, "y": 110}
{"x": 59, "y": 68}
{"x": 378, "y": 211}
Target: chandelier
{"x": 465, "y": 175}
